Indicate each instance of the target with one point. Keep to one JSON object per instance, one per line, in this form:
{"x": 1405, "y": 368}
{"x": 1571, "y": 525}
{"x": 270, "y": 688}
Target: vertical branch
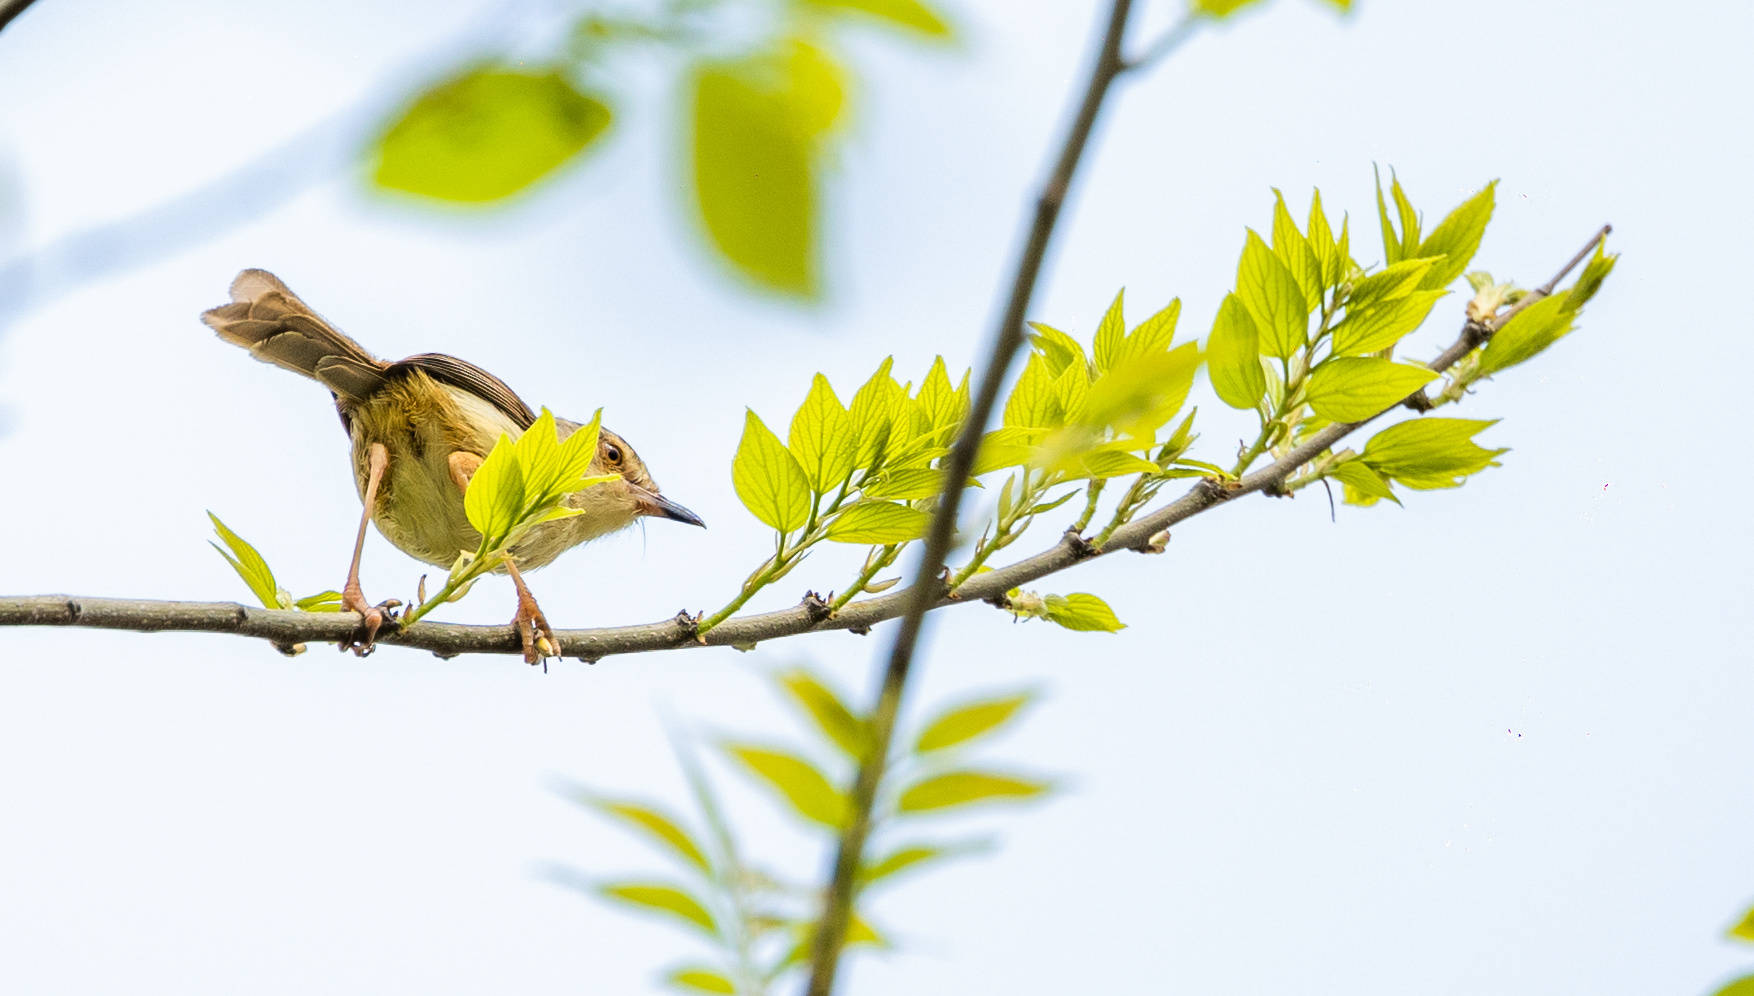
{"x": 1007, "y": 339}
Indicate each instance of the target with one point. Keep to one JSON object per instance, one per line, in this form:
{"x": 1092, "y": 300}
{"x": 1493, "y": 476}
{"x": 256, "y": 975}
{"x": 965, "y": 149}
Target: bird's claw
{"x": 538, "y": 638}
{"x": 371, "y": 619}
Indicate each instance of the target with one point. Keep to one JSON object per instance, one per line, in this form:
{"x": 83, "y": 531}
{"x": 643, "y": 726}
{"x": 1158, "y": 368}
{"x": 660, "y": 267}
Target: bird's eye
{"x": 612, "y": 453}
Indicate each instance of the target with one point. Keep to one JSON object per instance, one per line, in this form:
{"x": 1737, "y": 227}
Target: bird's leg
{"x": 371, "y": 617}
{"x": 540, "y": 642}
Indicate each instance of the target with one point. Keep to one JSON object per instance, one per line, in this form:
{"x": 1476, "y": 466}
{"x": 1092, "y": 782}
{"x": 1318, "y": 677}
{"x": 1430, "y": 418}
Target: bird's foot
{"x": 539, "y": 640}
{"x": 371, "y": 619}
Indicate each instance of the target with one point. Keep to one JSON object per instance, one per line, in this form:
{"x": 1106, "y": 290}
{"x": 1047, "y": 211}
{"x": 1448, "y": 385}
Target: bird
{"x": 419, "y": 428}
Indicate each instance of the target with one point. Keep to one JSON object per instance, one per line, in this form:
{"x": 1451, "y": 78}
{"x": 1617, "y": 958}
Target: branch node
{"x": 1081, "y": 548}
{"x": 816, "y": 606}
{"x": 688, "y": 626}
{"x": 445, "y": 655}
{"x": 1277, "y": 489}
{"x": 1155, "y": 543}
{"x": 74, "y": 611}
{"x": 289, "y": 649}
{"x": 859, "y": 630}
{"x": 999, "y": 601}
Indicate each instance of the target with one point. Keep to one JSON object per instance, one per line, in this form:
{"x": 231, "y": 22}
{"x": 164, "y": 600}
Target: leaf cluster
{"x": 761, "y": 922}
{"x": 761, "y": 122}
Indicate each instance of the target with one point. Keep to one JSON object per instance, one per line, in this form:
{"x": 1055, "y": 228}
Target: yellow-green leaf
{"x": 797, "y": 780}
{"x": 701, "y": 980}
{"x": 1294, "y": 251}
{"x": 1367, "y": 330}
{"x": 666, "y": 899}
{"x": 1396, "y": 281}
{"x": 655, "y": 825}
{"x": 942, "y": 405}
{"x": 1057, "y": 348}
{"x": 495, "y": 497}
{"x": 1153, "y": 335}
{"x": 1428, "y": 453}
{"x": 879, "y": 402}
{"x": 906, "y": 483}
{"x": 912, "y": 15}
{"x": 963, "y": 788}
{"x": 1359, "y": 479}
{"x": 767, "y": 478}
{"x": 1219, "y": 9}
{"x": 913, "y": 855}
{"x": 1743, "y": 929}
{"x": 1034, "y": 402}
{"x": 825, "y": 708}
{"x": 1351, "y": 389}
{"x": 1273, "y": 299}
{"x": 248, "y": 564}
{"x": 1007, "y": 447}
{"x": 822, "y": 438}
{"x": 1111, "y": 332}
{"x": 1233, "y": 356}
{"x": 755, "y": 172}
{"x": 1321, "y": 242}
{"x": 486, "y": 134}
{"x": 1457, "y": 238}
{"x": 1532, "y": 330}
{"x": 1081, "y": 611}
{"x": 878, "y": 522}
{"x": 1104, "y": 464}
{"x": 1743, "y": 986}
{"x": 962, "y": 723}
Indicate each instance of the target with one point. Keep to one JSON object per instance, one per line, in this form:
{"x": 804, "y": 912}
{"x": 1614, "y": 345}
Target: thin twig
{"x": 1007, "y": 339}
{"x": 10, "y": 9}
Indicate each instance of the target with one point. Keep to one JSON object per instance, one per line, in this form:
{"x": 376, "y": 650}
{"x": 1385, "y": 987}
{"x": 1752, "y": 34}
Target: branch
{"x": 10, "y": 9}
{"x": 286, "y": 629}
{"x": 927, "y": 589}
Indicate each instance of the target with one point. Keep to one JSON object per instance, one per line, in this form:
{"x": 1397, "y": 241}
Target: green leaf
{"x": 1743, "y": 986}
{"x": 767, "y": 478}
{"x": 1153, "y": 335}
{"x": 1457, "y": 238}
{"x": 1358, "y": 477}
{"x": 1111, "y": 333}
{"x": 1397, "y": 281}
{"x": 828, "y": 711}
{"x": 754, "y": 171}
{"x": 486, "y": 134}
{"x": 1295, "y": 252}
{"x": 1367, "y": 330}
{"x": 906, "y": 483}
{"x": 962, "y": 723}
{"x": 1139, "y": 396}
{"x": 910, "y": 856}
{"x": 912, "y": 15}
{"x": 942, "y": 405}
{"x": 1529, "y": 332}
{"x": 822, "y": 438}
{"x": 666, "y": 899}
{"x": 322, "y": 601}
{"x": 1351, "y": 389}
{"x": 1330, "y": 264}
{"x": 1430, "y": 453}
{"x": 878, "y": 522}
{"x": 1405, "y": 245}
{"x": 495, "y": 496}
{"x": 1743, "y": 929}
{"x": 1219, "y": 9}
{"x": 875, "y": 408}
{"x": 954, "y": 789}
{"x": 1233, "y": 356}
{"x": 248, "y": 564}
{"x": 1007, "y": 447}
{"x": 1273, "y": 299}
{"x": 1081, "y": 611}
{"x": 1590, "y": 281}
{"x": 1105, "y": 464}
{"x": 802, "y": 785}
{"x": 701, "y": 980}
{"x": 655, "y": 825}
{"x": 1057, "y": 348}
{"x": 1034, "y": 401}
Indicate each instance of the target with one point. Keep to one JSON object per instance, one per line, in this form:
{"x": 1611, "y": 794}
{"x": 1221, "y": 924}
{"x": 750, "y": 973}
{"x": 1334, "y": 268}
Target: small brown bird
{"x": 420, "y": 427}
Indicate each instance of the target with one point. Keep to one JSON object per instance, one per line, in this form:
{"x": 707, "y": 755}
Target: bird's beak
{"x": 651, "y": 503}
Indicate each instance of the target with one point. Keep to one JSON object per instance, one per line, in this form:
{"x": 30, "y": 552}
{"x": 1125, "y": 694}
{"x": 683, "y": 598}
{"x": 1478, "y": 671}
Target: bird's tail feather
{"x": 271, "y": 322}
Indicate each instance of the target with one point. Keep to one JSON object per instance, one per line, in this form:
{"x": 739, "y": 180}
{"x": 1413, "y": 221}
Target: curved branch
{"x": 10, "y": 9}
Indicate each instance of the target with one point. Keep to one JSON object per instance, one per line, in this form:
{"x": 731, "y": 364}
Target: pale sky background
{"x": 1497, "y": 741}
